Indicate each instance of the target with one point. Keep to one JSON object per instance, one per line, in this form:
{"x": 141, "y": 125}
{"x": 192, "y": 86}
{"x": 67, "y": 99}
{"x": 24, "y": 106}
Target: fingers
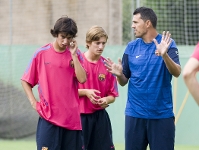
{"x": 119, "y": 61}
{"x": 166, "y": 36}
{"x": 73, "y": 43}
{"x": 109, "y": 60}
{"x": 93, "y": 100}
{"x": 155, "y": 41}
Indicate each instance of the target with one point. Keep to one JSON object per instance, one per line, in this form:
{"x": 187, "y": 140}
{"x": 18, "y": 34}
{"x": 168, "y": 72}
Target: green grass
{"x": 31, "y": 145}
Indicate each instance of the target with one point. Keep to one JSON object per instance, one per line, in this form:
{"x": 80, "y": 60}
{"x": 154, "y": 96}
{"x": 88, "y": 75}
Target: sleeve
{"x": 196, "y": 52}
{"x": 81, "y": 60}
{"x": 31, "y": 75}
{"x": 125, "y": 65}
{"x": 113, "y": 87}
{"x": 173, "y": 53}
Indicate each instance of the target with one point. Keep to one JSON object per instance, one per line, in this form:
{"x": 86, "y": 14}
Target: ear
{"x": 88, "y": 44}
{"x": 148, "y": 23}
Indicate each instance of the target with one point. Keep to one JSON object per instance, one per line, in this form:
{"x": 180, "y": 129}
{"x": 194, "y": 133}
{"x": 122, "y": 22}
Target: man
{"x": 56, "y": 69}
{"x": 96, "y": 93}
{"x": 148, "y": 67}
{"x": 189, "y": 74}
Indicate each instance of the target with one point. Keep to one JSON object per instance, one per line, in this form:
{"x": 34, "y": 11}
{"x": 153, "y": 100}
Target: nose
{"x": 65, "y": 40}
{"x": 133, "y": 26}
{"x": 101, "y": 46}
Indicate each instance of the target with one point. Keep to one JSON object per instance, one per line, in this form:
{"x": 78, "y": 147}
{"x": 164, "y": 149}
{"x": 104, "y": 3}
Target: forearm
{"x": 82, "y": 92}
{"x": 122, "y": 80}
{"x": 193, "y": 86}
{"x": 110, "y": 99}
{"x": 28, "y": 90}
{"x": 79, "y": 70}
{"x": 173, "y": 68}
{"x": 189, "y": 75}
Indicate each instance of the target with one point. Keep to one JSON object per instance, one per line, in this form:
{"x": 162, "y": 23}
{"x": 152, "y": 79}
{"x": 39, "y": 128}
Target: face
{"x": 139, "y": 26}
{"x": 97, "y": 47}
{"x": 63, "y": 41}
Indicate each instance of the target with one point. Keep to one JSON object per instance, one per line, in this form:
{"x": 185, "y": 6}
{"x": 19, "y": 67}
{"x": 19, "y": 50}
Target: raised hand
{"x": 113, "y": 68}
{"x": 73, "y": 47}
{"x": 162, "y": 48}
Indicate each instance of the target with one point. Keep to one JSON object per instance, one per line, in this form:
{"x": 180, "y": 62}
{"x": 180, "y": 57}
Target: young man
{"x": 148, "y": 68}
{"x": 96, "y": 93}
{"x": 189, "y": 74}
{"x": 56, "y": 69}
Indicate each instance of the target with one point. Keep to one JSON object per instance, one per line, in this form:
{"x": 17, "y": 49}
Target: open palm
{"x": 162, "y": 48}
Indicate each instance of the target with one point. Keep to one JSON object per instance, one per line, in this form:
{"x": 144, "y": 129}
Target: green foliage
{"x": 127, "y": 20}
{"x": 179, "y": 17}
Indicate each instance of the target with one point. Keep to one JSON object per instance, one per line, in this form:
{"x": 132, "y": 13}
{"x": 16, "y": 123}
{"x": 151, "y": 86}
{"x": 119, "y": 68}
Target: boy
{"x": 56, "y": 69}
{"x": 96, "y": 93}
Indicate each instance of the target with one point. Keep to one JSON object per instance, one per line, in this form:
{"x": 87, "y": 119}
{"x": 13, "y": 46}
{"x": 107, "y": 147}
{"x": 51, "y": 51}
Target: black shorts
{"x": 52, "y": 137}
{"x": 97, "y": 131}
{"x": 158, "y": 133}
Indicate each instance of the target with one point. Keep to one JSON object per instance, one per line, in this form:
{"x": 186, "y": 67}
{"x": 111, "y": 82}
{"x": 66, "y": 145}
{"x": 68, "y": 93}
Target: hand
{"x": 113, "y": 68}
{"x": 34, "y": 104}
{"x": 73, "y": 47}
{"x": 103, "y": 102}
{"x": 162, "y": 48}
{"x": 92, "y": 95}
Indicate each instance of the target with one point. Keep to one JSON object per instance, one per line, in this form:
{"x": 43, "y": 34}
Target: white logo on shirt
{"x": 137, "y": 56}
{"x": 177, "y": 52}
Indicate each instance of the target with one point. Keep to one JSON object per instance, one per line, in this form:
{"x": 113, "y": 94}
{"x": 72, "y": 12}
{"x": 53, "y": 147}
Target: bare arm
{"x": 79, "y": 70}
{"x": 28, "y": 90}
{"x": 122, "y": 80}
{"x": 90, "y": 93}
{"x": 189, "y": 76}
{"x": 173, "y": 68}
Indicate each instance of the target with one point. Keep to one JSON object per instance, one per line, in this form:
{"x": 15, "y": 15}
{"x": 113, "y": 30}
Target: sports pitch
{"x": 31, "y": 145}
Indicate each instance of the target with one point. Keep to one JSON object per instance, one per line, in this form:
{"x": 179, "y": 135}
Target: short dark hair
{"x": 66, "y": 26}
{"x": 147, "y": 14}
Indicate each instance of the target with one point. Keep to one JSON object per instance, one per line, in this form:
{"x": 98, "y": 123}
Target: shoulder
{"x": 132, "y": 44}
{"x": 42, "y": 50}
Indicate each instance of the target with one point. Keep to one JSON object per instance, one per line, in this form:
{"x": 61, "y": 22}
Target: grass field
{"x": 30, "y": 145}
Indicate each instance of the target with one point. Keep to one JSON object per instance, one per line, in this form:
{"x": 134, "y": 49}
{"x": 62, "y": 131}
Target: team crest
{"x": 72, "y": 63}
{"x": 101, "y": 77}
{"x": 44, "y": 148}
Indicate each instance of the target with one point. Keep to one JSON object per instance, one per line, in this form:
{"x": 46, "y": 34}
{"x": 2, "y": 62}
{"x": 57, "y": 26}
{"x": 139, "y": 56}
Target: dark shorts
{"x": 57, "y": 138}
{"x": 158, "y": 133}
{"x": 97, "y": 131}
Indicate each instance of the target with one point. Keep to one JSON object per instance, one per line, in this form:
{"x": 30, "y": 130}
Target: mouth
{"x": 99, "y": 51}
{"x": 64, "y": 45}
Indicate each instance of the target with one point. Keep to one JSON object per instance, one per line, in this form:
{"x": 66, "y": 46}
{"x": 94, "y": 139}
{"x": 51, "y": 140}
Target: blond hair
{"x": 94, "y": 34}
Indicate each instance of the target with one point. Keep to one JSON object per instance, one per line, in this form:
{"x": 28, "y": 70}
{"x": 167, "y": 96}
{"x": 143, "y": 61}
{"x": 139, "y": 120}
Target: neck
{"x": 149, "y": 36}
{"x": 91, "y": 57}
{"x": 57, "y": 48}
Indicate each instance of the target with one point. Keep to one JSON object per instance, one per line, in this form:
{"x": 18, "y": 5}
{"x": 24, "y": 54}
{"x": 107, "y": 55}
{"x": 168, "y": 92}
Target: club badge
{"x": 101, "y": 77}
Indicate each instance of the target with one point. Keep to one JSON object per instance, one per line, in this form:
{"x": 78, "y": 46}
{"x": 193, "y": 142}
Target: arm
{"x": 173, "y": 68}
{"x": 79, "y": 70}
{"x": 90, "y": 93}
{"x": 28, "y": 90}
{"x": 189, "y": 76}
{"x": 122, "y": 80}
